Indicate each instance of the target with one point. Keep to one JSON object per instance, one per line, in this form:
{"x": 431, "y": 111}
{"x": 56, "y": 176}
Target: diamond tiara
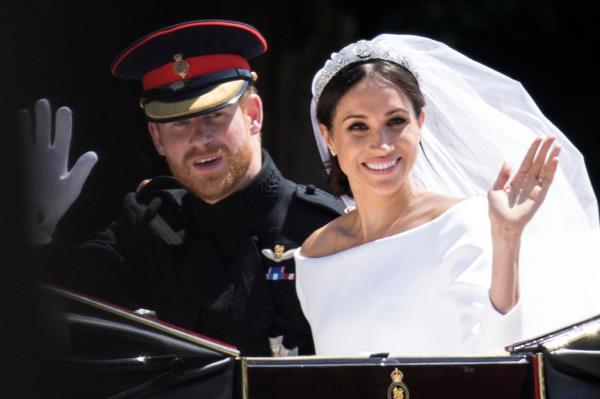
{"x": 362, "y": 50}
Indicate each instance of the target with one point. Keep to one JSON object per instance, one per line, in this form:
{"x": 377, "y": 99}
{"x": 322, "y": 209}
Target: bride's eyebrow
{"x": 362, "y": 116}
{"x": 355, "y": 116}
{"x": 397, "y": 110}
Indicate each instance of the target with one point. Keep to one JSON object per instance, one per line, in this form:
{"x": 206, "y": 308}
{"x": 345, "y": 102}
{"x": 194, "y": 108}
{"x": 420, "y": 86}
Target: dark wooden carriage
{"x": 111, "y": 352}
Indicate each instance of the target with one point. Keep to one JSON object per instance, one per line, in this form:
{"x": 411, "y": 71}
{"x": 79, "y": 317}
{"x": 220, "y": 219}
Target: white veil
{"x": 476, "y": 119}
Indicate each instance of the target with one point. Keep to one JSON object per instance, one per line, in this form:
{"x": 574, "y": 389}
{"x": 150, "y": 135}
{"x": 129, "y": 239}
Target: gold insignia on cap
{"x": 181, "y": 67}
{"x": 397, "y": 389}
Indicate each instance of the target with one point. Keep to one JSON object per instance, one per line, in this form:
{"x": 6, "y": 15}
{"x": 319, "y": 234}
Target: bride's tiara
{"x": 362, "y": 50}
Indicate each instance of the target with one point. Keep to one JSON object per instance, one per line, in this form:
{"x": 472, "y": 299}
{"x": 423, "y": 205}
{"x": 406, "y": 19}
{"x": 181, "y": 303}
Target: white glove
{"x": 52, "y": 187}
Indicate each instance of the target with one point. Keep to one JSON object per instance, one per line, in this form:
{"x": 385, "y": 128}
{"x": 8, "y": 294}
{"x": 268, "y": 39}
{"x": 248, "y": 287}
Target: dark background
{"x": 63, "y": 50}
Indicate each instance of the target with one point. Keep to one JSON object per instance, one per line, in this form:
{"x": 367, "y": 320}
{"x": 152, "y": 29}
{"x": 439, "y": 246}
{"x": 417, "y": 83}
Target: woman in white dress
{"x": 416, "y": 268}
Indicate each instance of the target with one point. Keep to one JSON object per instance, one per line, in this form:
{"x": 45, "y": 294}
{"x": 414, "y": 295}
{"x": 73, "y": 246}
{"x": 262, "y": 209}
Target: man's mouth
{"x": 207, "y": 163}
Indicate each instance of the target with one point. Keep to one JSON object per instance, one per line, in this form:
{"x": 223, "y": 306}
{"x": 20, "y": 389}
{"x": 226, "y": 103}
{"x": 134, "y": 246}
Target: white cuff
{"x": 500, "y": 330}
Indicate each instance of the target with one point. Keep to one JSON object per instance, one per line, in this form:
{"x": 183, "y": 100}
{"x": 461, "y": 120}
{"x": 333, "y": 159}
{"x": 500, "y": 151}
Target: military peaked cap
{"x": 192, "y": 68}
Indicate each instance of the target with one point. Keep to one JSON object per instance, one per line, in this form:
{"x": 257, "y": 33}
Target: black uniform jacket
{"x": 222, "y": 270}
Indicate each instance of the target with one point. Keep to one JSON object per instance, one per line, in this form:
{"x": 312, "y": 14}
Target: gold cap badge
{"x": 181, "y": 67}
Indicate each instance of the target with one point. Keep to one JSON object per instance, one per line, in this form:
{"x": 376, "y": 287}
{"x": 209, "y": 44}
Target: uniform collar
{"x": 245, "y": 206}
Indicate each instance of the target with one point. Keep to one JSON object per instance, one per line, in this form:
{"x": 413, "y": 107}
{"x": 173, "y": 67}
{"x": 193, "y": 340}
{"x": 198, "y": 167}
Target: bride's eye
{"x": 397, "y": 121}
{"x": 358, "y": 127}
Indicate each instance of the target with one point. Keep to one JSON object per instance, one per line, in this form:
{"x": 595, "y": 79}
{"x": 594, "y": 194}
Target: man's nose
{"x": 200, "y": 132}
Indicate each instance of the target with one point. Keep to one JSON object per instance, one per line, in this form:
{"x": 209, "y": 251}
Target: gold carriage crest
{"x": 180, "y": 67}
{"x": 397, "y": 389}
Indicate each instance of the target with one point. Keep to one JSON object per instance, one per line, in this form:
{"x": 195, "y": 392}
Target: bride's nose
{"x": 382, "y": 141}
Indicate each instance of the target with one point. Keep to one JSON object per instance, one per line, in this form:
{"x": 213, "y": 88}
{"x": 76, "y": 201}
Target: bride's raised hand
{"x": 514, "y": 200}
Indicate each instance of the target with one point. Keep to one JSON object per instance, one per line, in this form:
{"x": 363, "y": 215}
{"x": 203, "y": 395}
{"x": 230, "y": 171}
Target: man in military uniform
{"x": 209, "y": 249}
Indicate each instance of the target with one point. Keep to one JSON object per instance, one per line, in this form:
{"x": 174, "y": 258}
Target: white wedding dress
{"x": 422, "y": 291}
{"x": 425, "y": 291}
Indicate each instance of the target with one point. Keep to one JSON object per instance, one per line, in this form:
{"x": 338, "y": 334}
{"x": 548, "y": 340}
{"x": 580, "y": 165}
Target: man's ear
{"x": 156, "y": 138}
{"x": 253, "y": 110}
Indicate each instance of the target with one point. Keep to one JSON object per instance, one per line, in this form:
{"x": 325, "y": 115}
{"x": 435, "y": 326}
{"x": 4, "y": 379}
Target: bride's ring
{"x": 540, "y": 180}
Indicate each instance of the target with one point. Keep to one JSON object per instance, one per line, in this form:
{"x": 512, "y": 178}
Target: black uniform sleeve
{"x": 110, "y": 266}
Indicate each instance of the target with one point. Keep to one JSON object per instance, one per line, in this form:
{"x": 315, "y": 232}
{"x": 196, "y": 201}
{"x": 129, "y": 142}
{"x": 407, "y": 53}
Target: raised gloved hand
{"x": 53, "y": 188}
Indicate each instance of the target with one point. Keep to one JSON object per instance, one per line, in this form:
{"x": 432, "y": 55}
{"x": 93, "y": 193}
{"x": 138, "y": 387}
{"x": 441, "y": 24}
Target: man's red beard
{"x": 214, "y": 186}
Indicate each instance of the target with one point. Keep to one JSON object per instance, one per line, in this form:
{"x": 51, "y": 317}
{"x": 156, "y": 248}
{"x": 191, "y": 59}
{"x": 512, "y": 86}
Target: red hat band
{"x": 187, "y": 68}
